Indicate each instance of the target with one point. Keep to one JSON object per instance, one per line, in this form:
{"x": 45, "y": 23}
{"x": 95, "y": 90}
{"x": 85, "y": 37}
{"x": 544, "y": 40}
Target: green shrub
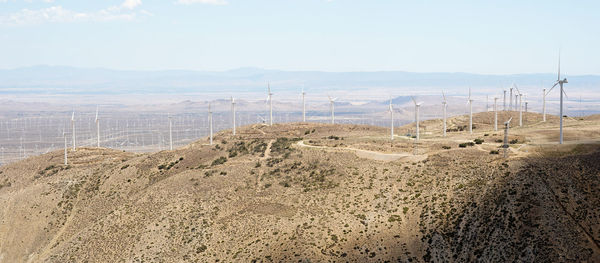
{"x": 445, "y": 147}
{"x": 494, "y": 152}
{"x": 515, "y": 141}
{"x": 478, "y": 141}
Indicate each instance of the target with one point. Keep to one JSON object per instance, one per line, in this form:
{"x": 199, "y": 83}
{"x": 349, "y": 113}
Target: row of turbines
{"x": 515, "y": 101}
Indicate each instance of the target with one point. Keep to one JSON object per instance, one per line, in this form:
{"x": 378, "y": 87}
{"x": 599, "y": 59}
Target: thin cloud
{"x": 58, "y": 14}
{"x": 208, "y": 2}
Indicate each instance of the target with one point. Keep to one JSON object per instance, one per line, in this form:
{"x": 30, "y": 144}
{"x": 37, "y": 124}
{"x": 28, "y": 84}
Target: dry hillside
{"x": 315, "y": 192}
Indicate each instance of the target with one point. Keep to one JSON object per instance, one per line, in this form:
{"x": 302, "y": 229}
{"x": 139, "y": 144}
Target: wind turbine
{"x": 270, "y": 100}
{"x": 417, "y": 106}
{"x": 544, "y": 105}
{"x": 170, "y": 132}
{"x": 332, "y": 108}
{"x": 562, "y": 91}
{"x": 470, "y": 102}
{"x": 496, "y": 113}
{"x": 233, "y": 114}
{"x": 303, "y": 106}
{"x": 97, "y": 127}
{"x": 520, "y": 104}
{"x": 65, "y": 137}
{"x": 504, "y": 102}
{"x": 444, "y": 107}
{"x": 73, "y": 128}
{"x": 210, "y": 125}
{"x": 510, "y": 106}
{"x": 391, "y": 109}
{"x": 505, "y": 145}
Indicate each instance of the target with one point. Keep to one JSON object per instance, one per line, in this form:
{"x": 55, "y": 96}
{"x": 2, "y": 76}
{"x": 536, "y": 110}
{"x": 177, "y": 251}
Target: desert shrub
{"x": 499, "y": 141}
{"x": 494, "y": 152}
{"x": 445, "y": 147}
{"x": 394, "y": 218}
{"x": 478, "y": 141}
{"x": 332, "y": 137}
{"x": 515, "y": 141}
{"x": 220, "y": 160}
{"x": 462, "y": 145}
{"x": 124, "y": 167}
{"x": 487, "y": 134}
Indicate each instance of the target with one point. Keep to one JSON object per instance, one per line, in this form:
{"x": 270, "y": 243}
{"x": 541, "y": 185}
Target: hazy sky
{"x": 335, "y": 35}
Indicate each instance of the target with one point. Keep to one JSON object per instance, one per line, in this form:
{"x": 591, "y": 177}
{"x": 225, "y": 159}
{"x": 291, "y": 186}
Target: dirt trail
{"x": 379, "y": 156}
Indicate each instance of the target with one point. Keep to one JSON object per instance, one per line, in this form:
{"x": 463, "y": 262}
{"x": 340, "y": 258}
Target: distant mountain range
{"x": 90, "y": 81}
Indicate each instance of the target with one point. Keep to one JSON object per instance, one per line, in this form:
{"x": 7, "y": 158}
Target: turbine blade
{"x": 555, "y": 84}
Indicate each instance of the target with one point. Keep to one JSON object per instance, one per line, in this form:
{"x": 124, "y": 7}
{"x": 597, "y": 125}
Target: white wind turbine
{"x": 210, "y": 125}
{"x": 496, "y": 113}
{"x": 444, "y": 107}
{"x": 233, "y": 114}
{"x": 520, "y": 105}
{"x": 65, "y": 137}
{"x": 470, "y": 103}
{"x": 417, "y": 106}
{"x": 303, "y": 106}
{"x": 505, "y": 145}
{"x": 170, "y": 132}
{"x": 391, "y": 110}
{"x": 73, "y": 128}
{"x": 544, "y": 104}
{"x": 97, "y": 128}
{"x": 270, "y": 100}
{"x": 332, "y": 108}
{"x": 510, "y": 106}
{"x": 504, "y": 102}
{"x": 562, "y": 91}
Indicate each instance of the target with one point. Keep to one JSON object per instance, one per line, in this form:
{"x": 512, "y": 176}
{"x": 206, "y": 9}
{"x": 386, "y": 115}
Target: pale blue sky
{"x": 495, "y": 37}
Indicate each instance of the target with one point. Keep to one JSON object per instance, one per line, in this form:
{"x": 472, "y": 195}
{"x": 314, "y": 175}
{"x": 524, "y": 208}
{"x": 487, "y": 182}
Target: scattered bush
{"x": 494, "y": 152}
{"x": 218, "y": 161}
{"x": 515, "y": 141}
{"x": 445, "y": 147}
{"x": 478, "y": 141}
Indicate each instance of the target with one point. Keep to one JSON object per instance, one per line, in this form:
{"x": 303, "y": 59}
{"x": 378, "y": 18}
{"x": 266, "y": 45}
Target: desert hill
{"x": 315, "y": 192}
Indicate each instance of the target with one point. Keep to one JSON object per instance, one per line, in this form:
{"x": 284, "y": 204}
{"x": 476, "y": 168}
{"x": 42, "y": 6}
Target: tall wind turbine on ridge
{"x": 303, "y": 106}
{"x": 391, "y": 110}
{"x": 510, "y": 106}
{"x": 562, "y": 91}
{"x": 444, "y": 107}
{"x": 270, "y": 100}
{"x": 97, "y": 128}
{"x": 504, "y": 102}
{"x": 233, "y": 114}
{"x": 417, "y": 106}
{"x": 65, "y": 137}
{"x": 470, "y": 103}
{"x": 332, "y": 108}
{"x": 73, "y": 129}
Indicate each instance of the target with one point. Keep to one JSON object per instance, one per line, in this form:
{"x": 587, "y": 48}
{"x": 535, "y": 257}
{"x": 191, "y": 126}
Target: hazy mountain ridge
{"x": 90, "y": 80}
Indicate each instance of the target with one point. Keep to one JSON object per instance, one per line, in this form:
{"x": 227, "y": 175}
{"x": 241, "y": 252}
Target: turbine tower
{"x": 303, "y": 106}
{"x": 210, "y": 125}
{"x": 519, "y": 104}
{"x": 332, "y": 108}
{"x": 544, "y": 105}
{"x": 505, "y": 145}
{"x": 391, "y": 109}
{"x": 504, "y": 102}
{"x": 73, "y": 129}
{"x": 562, "y": 91}
{"x": 233, "y": 114}
{"x": 496, "y": 113}
{"x": 470, "y": 102}
{"x": 97, "y": 128}
{"x": 417, "y": 106}
{"x": 65, "y": 137}
{"x": 510, "y": 105}
{"x": 444, "y": 108}
{"x": 270, "y": 100}
{"x": 170, "y": 132}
